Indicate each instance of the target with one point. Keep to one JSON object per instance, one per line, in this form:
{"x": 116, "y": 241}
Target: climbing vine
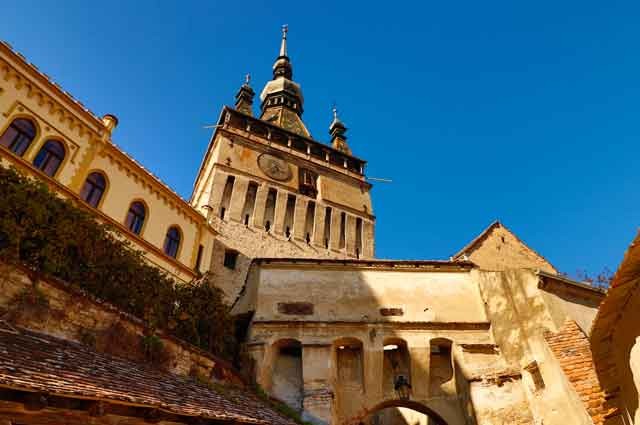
{"x": 52, "y": 237}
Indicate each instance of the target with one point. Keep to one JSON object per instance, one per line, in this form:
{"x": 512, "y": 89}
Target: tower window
{"x": 289, "y": 214}
{"x": 93, "y": 189}
{"x": 135, "y": 217}
{"x": 230, "y": 259}
{"x": 249, "y": 202}
{"x": 343, "y": 230}
{"x": 327, "y": 226}
{"x": 308, "y": 183}
{"x": 50, "y": 157}
{"x": 226, "y": 196}
{"x": 172, "y": 242}
{"x": 309, "y": 221}
{"x": 270, "y": 208}
{"x": 18, "y": 136}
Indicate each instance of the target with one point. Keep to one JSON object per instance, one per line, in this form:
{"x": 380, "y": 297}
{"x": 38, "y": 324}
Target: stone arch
{"x": 396, "y": 362}
{"x": 441, "y": 366}
{"x": 409, "y": 404}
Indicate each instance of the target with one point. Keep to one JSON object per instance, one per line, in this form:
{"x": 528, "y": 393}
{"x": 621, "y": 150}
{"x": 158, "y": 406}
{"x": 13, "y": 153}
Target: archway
{"x": 434, "y": 418}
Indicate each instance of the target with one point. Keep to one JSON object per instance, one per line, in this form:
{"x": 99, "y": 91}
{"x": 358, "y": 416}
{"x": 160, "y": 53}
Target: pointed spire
{"x": 282, "y": 65}
{"x": 281, "y": 97}
{"x": 283, "y": 45}
{"x": 337, "y": 130}
{"x": 244, "y": 97}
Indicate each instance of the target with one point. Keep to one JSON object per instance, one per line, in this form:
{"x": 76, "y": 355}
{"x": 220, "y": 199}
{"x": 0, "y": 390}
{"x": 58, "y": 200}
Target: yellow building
{"x": 46, "y": 133}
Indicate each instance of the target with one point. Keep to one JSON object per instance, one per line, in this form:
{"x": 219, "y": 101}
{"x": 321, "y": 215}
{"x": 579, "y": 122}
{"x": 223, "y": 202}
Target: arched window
{"x": 93, "y": 189}
{"x": 172, "y": 242}
{"x": 135, "y": 217}
{"x": 50, "y": 157}
{"x": 18, "y": 136}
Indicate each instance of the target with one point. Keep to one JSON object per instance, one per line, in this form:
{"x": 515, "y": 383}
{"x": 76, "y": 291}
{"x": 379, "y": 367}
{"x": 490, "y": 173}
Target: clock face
{"x": 274, "y": 167}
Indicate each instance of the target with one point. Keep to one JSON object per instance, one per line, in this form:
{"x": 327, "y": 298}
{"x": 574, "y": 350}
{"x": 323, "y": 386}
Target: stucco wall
{"x": 500, "y": 249}
{"x": 359, "y": 295}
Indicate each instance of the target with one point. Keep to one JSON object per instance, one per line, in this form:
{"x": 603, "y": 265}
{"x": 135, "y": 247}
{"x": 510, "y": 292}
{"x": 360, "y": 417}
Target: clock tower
{"x": 271, "y": 190}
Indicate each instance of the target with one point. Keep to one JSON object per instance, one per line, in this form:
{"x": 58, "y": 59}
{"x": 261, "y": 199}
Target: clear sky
{"x": 525, "y": 112}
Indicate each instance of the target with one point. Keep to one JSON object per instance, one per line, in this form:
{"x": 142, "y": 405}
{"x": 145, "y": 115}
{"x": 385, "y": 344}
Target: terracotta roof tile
{"x": 37, "y": 362}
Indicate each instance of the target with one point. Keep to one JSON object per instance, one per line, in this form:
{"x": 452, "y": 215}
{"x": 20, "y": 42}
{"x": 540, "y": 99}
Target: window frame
{"x": 46, "y": 159}
{"x": 178, "y": 241}
{"x": 144, "y": 221}
{"x": 104, "y": 190}
{"x": 235, "y": 254}
{"x": 31, "y": 143}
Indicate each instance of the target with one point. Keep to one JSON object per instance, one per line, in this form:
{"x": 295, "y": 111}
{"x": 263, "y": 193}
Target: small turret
{"x": 244, "y": 98}
{"x": 338, "y": 130}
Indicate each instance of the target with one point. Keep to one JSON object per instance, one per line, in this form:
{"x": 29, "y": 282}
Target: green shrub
{"x": 52, "y": 237}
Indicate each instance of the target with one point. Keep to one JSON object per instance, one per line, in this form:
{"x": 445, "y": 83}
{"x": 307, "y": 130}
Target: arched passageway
{"x": 389, "y": 412}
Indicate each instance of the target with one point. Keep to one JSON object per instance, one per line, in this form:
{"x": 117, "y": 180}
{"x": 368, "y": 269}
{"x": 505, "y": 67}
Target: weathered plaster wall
{"x": 570, "y": 303}
{"x": 361, "y": 295}
{"x": 500, "y": 249}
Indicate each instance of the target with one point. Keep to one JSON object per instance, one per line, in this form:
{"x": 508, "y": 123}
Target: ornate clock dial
{"x": 274, "y": 167}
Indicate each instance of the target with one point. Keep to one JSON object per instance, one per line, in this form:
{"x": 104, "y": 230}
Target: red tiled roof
{"x": 37, "y": 362}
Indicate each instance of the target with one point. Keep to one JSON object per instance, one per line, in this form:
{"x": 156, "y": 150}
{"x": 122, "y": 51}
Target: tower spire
{"x": 282, "y": 97}
{"x": 283, "y": 44}
{"x": 244, "y": 97}
{"x": 337, "y": 130}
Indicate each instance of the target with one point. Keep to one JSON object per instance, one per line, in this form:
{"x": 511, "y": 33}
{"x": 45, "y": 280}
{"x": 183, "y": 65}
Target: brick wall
{"x": 571, "y": 347}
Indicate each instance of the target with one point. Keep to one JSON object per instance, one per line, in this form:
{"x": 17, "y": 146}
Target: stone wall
{"x": 74, "y": 315}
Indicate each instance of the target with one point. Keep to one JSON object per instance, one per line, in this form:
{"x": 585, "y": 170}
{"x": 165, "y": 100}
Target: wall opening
{"x": 199, "y": 258}
{"x": 396, "y": 363}
{"x": 402, "y": 412}
{"x": 289, "y": 213}
{"x": 358, "y": 237}
{"x": 226, "y": 196}
{"x": 350, "y": 364}
{"x": 249, "y": 202}
{"x": 287, "y": 383}
{"x": 230, "y": 258}
{"x": 343, "y": 230}
{"x": 270, "y": 209}
{"x": 327, "y": 227}
{"x": 309, "y": 221}
{"x": 440, "y": 367}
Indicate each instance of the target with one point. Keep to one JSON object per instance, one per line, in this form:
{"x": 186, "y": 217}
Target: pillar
{"x": 334, "y": 242}
{"x": 299, "y": 218}
{"x": 238, "y": 197}
{"x": 257, "y": 220}
{"x": 281, "y": 209}
{"x": 420, "y": 357}
{"x": 217, "y": 187}
{"x": 351, "y": 235}
{"x": 368, "y": 241}
{"x": 318, "y": 396}
{"x": 318, "y": 226}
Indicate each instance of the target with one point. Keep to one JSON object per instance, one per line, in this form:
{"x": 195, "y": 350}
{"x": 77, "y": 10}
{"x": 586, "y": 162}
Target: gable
{"x": 498, "y": 248}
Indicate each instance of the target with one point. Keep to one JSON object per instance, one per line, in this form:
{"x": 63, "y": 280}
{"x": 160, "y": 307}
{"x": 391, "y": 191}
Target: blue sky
{"x": 522, "y": 111}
